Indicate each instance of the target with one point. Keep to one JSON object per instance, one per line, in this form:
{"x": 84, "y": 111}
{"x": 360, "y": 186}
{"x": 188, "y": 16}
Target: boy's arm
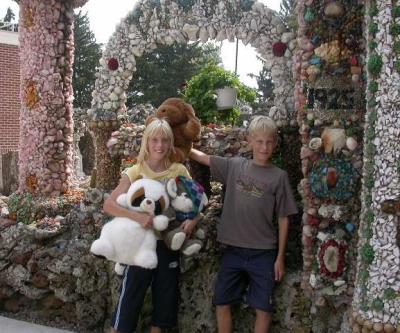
{"x": 199, "y": 156}
{"x": 280, "y": 259}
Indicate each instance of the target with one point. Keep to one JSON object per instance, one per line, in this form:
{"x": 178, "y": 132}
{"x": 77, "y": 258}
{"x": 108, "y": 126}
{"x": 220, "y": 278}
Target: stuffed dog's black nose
{"x": 148, "y": 202}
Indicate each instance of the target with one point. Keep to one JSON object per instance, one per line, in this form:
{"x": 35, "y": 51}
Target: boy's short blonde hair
{"x": 263, "y": 124}
{"x": 157, "y": 126}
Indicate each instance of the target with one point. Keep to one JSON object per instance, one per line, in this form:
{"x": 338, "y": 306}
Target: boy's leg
{"x": 229, "y": 287}
{"x": 263, "y": 321}
{"x": 259, "y": 295}
{"x": 224, "y": 318}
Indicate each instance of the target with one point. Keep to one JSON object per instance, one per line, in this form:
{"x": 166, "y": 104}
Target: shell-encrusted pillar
{"x": 329, "y": 67}
{"x": 376, "y": 302}
{"x": 47, "y": 46}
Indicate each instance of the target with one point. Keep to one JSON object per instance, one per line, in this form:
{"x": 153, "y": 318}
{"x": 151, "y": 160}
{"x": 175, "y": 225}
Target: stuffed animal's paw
{"x": 192, "y": 248}
{"x": 160, "y": 222}
{"x": 103, "y": 248}
{"x": 177, "y": 240}
{"x": 119, "y": 268}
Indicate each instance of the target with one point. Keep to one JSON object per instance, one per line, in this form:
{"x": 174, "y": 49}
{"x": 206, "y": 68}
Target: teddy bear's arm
{"x": 191, "y": 131}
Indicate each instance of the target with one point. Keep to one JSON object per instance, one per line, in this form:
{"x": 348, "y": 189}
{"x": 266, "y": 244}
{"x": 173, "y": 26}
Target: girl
{"x": 153, "y": 162}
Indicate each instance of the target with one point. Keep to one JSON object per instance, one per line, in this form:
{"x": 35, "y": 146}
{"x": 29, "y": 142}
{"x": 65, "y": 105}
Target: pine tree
{"x": 288, "y": 13}
{"x": 87, "y": 55}
{"x": 162, "y": 73}
{"x": 264, "y": 83}
{"x": 10, "y": 16}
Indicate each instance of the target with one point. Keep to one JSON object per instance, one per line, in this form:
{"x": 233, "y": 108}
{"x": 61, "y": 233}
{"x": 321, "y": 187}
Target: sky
{"x": 104, "y": 18}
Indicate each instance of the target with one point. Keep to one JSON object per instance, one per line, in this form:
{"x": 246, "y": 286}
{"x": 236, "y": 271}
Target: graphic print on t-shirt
{"x": 250, "y": 186}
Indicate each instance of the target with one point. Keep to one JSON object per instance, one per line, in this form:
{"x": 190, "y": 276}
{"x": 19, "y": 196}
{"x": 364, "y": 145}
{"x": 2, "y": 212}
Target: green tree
{"x": 200, "y": 93}
{"x": 163, "y": 72}
{"x": 87, "y": 55}
{"x": 265, "y": 91}
{"x": 10, "y": 16}
{"x": 287, "y": 12}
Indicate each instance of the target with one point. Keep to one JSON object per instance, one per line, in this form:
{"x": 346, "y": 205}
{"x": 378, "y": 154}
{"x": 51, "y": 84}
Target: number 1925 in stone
{"x": 330, "y": 98}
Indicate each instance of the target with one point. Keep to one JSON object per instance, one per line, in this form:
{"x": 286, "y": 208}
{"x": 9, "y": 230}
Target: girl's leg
{"x": 133, "y": 288}
{"x": 165, "y": 289}
{"x": 224, "y": 318}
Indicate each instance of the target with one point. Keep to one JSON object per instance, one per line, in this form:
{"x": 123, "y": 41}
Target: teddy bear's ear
{"x": 149, "y": 119}
{"x": 171, "y": 188}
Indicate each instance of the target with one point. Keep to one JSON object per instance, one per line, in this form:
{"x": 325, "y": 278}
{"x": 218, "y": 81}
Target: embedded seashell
{"x": 351, "y": 143}
{"x": 230, "y": 34}
{"x": 211, "y": 31}
{"x": 333, "y": 9}
{"x": 313, "y": 280}
{"x": 318, "y": 122}
{"x": 315, "y": 144}
{"x": 333, "y": 139}
{"x": 388, "y": 328}
{"x": 339, "y": 283}
{"x": 191, "y": 31}
{"x": 203, "y": 35}
{"x": 221, "y": 36}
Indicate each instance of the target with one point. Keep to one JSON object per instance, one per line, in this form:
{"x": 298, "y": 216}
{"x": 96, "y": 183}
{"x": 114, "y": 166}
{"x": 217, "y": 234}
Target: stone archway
{"x": 154, "y": 23}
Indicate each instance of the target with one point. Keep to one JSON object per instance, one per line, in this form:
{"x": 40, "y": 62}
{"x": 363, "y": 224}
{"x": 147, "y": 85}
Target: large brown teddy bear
{"x": 184, "y": 123}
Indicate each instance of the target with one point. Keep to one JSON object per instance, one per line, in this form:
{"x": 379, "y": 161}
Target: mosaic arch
{"x": 153, "y": 23}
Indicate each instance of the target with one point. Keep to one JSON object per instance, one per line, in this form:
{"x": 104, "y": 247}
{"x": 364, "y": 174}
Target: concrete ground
{"x": 8, "y": 325}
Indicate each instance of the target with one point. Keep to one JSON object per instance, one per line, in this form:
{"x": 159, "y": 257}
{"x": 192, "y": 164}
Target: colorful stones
{"x": 331, "y": 258}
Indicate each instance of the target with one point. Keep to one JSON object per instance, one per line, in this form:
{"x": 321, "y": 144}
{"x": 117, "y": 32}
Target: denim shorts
{"x": 246, "y": 275}
{"x": 164, "y": 281}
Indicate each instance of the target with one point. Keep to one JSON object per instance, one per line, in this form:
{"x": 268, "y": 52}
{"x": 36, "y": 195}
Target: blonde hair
{"x": 157, "y": 126}
{"x": 263, "y": 124}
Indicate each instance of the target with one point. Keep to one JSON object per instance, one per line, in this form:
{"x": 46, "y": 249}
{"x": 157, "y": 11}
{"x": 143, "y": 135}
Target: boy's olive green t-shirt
{"x": 254, "y": 196}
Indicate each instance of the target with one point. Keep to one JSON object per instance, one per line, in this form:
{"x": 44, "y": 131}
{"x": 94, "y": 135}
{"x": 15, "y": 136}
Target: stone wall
{"x": 48, "y": 273}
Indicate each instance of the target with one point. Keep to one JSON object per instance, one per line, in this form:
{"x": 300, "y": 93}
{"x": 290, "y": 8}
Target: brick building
{"x": 9, "y": 91}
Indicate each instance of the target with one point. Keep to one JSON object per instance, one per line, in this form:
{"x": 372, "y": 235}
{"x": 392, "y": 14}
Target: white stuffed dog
{"x": 125, "y": 241}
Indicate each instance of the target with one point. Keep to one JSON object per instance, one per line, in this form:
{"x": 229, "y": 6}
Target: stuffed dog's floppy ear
{"x": 171, "y": 188}
{"x": 121, "y": 200}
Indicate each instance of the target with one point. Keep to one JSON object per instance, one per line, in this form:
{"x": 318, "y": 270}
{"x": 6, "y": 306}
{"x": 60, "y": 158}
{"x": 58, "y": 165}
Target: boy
{"x": 254, "y": 255}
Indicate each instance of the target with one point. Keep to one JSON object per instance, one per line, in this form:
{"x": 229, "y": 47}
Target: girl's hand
{"x": 145, "y": 220}
{"x": 188, "y": 227}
